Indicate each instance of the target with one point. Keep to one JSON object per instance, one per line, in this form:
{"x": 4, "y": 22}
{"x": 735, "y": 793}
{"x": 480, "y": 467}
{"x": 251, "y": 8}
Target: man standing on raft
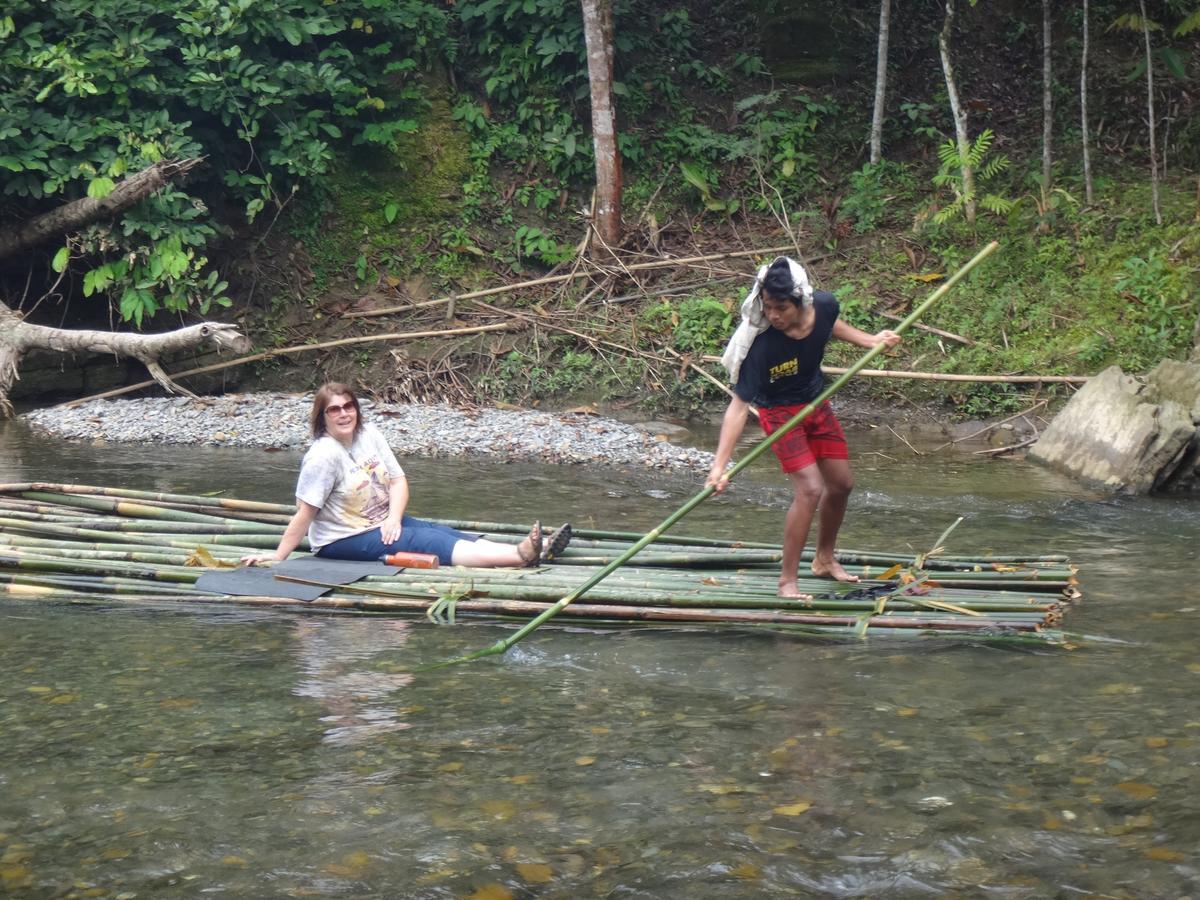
{"x": 774, "y": 360}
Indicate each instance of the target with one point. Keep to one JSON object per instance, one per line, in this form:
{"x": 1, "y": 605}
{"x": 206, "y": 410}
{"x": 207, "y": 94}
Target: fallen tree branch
{"x": 74, "y": 215}
{"x": 993, "y": 425}
{"x": 18, "y": 337}
{"x": 1016, "y": 446}
{"x": 297, "y": 348}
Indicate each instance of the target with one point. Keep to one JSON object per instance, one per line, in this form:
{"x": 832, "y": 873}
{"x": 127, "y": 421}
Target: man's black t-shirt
{"x": 783, "y": 371}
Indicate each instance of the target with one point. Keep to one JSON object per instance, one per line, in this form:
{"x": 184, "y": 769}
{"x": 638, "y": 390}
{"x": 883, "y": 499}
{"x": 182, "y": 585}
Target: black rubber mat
{"x": 331, "y": 571}
{"x": 256, "y": 581}
{"x": 260, "y": 581}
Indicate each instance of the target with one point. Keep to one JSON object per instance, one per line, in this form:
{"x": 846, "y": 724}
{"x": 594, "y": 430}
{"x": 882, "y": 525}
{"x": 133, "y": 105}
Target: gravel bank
{"x": 280, "y": 421}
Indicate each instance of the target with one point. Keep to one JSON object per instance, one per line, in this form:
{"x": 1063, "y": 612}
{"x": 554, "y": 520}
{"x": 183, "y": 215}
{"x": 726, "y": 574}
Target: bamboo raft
{"x": 78, "y": 543}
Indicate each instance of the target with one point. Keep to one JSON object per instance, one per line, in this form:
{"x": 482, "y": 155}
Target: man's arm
{"x": 851, "y": 335}
{"x": 731, "y": 429}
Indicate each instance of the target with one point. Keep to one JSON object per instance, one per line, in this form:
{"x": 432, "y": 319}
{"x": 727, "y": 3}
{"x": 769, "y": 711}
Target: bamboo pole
{"x": 221, "y": 502}
{"x": 503, "y": 645}
{"x": 558, "y": 279}
{"x": 939, "y": 376}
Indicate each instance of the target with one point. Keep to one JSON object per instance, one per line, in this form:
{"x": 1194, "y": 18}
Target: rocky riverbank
{"x": 280, "y": 421}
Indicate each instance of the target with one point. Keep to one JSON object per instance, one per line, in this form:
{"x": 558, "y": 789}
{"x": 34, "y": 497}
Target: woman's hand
{"x": 257, "y": 559}
{"x": 887, "y": 337}
{"x": 390, "y": 528}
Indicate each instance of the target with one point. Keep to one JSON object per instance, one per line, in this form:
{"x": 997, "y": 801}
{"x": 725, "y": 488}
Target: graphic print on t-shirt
{"x": 784, "y": 369}
{"x": 366, "y": 494}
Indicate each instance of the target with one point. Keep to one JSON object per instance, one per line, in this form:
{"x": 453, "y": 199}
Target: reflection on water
{"x": 164, "y": 751}
{"x": 337, "y": 661}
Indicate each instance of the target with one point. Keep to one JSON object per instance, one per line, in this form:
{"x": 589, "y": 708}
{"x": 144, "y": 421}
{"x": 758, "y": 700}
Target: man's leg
{"x": 807, "y": 487}
{"x": 839, "y": 482}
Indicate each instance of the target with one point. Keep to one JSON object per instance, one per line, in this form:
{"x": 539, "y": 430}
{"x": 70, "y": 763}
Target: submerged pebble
{"x": 280, "y": 421}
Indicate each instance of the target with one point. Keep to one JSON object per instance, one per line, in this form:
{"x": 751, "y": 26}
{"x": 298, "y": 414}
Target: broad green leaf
{"x": 61, "y": 258}
{"x": 693, "y": 177}
{"x": 1174, "y": 62}
{"x": 12, "y": 163}
{"x": 390, "y": 211}
{"x": 291, "y": 33}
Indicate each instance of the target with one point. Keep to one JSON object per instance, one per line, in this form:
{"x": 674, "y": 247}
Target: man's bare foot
{"x": 789, "y": 590}
{"x": 831, "y": 568}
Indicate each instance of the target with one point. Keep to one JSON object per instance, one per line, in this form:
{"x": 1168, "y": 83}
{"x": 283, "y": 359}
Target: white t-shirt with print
{"x": 349, "y": 486}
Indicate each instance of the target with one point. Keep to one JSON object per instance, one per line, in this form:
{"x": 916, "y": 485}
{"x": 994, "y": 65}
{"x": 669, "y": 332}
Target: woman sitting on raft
{"x": 352, "y": 493}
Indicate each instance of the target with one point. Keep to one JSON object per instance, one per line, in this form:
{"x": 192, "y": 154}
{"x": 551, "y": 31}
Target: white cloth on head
{"x": 754, "y": 321}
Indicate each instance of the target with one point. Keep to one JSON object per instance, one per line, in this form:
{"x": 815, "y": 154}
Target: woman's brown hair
{"x": 325, "y": 393}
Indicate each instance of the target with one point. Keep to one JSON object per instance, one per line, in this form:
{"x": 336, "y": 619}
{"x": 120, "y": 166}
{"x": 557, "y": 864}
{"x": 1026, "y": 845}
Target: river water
{"x": 174, "y": 751}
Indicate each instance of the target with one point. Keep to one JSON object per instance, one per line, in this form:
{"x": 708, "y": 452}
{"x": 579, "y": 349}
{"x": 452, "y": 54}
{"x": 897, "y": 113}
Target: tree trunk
{"x": 960, "y": 116}
{"x": 1047, "y": 105}
{"x": 76, "y": 214}
{"x": 1150, "y": 114}
{"x": 1083, "y": 115}
{"x": 17, "y": 337}
{"x": 598, "y": 35}
{"x": 881, "y": 59}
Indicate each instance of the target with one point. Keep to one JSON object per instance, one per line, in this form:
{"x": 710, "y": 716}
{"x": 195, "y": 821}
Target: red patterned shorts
{"x": 819, "y": 436}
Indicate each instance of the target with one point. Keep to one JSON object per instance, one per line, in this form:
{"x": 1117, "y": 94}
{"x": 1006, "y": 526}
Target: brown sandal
{"x": 534, "y": 555}
{"x": 556, "y": 543}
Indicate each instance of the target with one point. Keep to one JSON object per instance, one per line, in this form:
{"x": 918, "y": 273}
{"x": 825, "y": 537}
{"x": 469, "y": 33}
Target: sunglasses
{"x": 337, "y": 410}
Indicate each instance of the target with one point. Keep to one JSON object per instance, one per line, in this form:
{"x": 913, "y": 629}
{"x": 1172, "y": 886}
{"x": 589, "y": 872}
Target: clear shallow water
{"x": 172, "y": 751}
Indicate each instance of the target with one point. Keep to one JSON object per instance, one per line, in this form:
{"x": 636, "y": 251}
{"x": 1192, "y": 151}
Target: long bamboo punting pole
{"x": 503, "y": 645}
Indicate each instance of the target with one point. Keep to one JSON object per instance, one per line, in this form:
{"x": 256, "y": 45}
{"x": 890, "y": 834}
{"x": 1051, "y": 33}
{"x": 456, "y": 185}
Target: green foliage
{"x": 694, "y": 325}
{"x": 920, "y": 119}
{"x": 700, "y": 179}
{"x": 872, "y": 190}
{"x": 95, "y": 91}
{"x": 536, "y": 243}
{"x": 781, "y": 132}
{"x": 1158, "y": 293}
{"x": 521, "y": 376}
{"x": 988, "y": 400}
{"x": 529, "y": 57}
{"x": 976, "y": 158}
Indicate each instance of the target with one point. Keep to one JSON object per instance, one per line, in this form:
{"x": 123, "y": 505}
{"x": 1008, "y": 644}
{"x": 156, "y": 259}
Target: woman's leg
{"x": 484, "y": 553}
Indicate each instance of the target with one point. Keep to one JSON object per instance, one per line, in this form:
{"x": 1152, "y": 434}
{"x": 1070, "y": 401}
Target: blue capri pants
{"x": 416, "y": 536}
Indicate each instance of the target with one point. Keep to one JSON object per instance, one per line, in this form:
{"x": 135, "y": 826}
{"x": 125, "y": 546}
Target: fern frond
{"x": 1133, "y": 22}
{"x": 946, "y": 213}
{"x": 980, "y": 147}
{"x": 999, "y": 164}
{"x": 995, "y": 204}
{"x": 948, "y": 154}
{"x": 1069, "y": 198}
{"x": 1188, "y": 25}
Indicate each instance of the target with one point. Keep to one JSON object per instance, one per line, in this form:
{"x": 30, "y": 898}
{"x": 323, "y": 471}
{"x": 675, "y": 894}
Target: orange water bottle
{"x": 410, "y": 560}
